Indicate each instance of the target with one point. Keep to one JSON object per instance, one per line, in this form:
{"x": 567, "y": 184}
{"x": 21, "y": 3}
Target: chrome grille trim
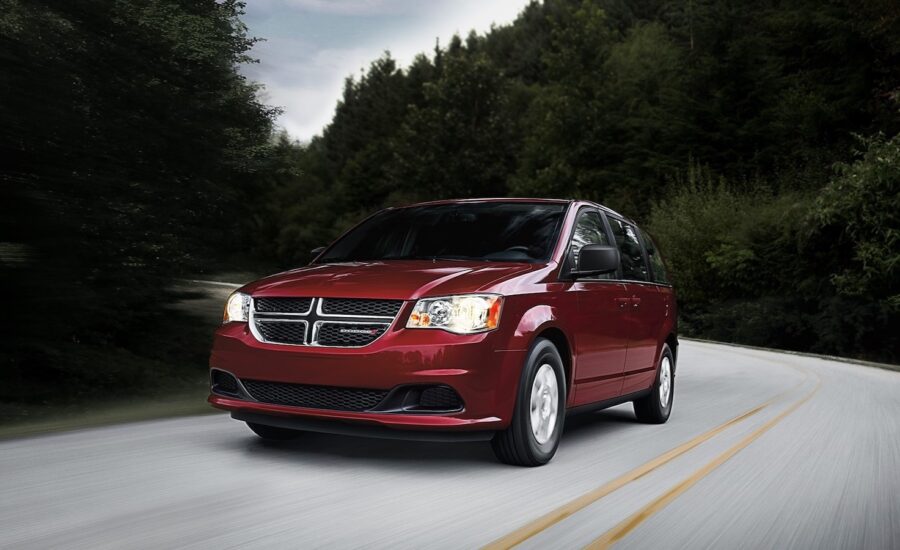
{"x": 320, "y": 309}
{"x": 313, "y": 319}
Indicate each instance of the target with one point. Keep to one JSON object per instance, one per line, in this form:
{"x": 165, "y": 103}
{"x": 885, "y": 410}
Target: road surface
{"x": 763, "y": 450}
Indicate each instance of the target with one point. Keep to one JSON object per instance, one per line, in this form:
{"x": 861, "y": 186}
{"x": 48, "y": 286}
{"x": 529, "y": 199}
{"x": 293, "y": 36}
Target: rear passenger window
{"x": 633, "y": 266}
{"x": 589, "y": 229}
{"x": 657, "y": 267}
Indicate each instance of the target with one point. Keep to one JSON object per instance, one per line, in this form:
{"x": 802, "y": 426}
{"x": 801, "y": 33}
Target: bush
{"x": 862, "y": 207}
{"x": 789, "y": 270}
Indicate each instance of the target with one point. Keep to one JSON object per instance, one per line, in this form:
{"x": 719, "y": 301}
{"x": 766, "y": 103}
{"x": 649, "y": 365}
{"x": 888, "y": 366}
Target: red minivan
{"x": 469, "y": 319}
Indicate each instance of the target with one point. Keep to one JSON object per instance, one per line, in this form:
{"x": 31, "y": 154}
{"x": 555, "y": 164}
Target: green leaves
{"x": 459, "y": 142}
{"x": 718, "y": 122}
{"x": 862, "y": 205}
{"x": 130, "y": 144}
{"x": 791, "y": 269}
{"x": 134, "y": 150}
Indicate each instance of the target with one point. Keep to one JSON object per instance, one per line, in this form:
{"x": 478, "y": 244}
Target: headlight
{"x": 237, "y": 308}
{"x": 464, "y": 314}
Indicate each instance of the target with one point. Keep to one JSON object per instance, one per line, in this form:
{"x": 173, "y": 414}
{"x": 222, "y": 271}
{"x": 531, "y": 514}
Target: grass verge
{"x": 185, "y": 402}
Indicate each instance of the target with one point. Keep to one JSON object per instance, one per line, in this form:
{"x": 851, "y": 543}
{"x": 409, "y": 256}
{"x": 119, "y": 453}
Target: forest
{"x": 756, "y": 141}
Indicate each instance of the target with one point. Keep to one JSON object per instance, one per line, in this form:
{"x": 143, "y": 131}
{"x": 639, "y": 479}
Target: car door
{"x": 646, "y": 308}
{"x": 600, "y": 335}
{"x": 664, "y": 308}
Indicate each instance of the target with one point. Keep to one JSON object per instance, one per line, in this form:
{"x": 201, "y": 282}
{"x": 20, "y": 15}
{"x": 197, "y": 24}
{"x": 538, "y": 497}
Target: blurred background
{"x": 148, "y": 145}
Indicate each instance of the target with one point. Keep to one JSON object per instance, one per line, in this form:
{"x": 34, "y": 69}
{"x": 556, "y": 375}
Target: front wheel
{"x": 657, "y": 405}
{"x": 537, "y": 423}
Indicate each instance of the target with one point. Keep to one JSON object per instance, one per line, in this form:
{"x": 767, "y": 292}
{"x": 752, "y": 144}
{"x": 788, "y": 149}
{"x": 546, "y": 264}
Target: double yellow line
{"x": 622, "y": 529}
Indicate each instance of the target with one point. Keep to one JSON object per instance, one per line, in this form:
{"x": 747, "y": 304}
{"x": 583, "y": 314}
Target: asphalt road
{"x": 763, "y": 450}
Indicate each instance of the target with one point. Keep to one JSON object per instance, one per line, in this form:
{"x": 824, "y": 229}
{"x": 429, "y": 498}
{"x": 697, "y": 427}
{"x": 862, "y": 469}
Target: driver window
{"x": 589, "y": 229}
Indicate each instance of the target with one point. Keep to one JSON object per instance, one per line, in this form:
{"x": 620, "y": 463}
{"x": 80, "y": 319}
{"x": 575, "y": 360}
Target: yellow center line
{"x": 555, "y": 516}
{"x": 622, "y": 529}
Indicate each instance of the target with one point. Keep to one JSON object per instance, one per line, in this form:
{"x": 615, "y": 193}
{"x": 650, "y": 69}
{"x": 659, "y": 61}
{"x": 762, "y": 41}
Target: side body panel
{"x": 600, "y": 332}
{"x": 648, "y": 311}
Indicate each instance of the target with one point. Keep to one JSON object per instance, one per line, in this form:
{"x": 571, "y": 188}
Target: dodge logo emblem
{"x": 366, "y": 331}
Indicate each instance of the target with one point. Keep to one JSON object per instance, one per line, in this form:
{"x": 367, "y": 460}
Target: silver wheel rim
{"x": 544, "y": 404}
{"x": 665, "y": 382}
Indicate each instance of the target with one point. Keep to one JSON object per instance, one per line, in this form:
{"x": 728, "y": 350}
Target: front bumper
{"x": 483, "y": 374}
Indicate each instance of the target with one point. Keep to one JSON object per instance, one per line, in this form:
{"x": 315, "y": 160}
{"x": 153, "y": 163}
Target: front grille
{"x": 440, "y": 397}
{"x": 335, "y": 322}
{"x": 282, "y": 305}
{"x": 314, "y": 397}
{"x": 349, "y": 335}
{"x": 361, "y": 308}
{"x": 282, "y": 332}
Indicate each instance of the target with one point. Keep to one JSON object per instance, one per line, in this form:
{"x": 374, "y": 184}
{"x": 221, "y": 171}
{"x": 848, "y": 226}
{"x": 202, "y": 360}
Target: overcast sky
{"x": 313, "y": 45}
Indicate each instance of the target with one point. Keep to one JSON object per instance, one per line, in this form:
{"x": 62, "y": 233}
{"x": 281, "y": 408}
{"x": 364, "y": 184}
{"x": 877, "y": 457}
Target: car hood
{"x": 395, "y": 280}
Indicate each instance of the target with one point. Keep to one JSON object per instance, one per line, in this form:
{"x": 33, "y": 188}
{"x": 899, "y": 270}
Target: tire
{"x": 273, "y": 433}
{"x": 650, "y": 409}
{"x": 519, "y": 444}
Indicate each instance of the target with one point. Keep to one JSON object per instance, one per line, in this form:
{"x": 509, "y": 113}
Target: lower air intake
{"x": 223, "y": 383}
{"x": 314, "y": 397}
{"x": 440, "y": 398}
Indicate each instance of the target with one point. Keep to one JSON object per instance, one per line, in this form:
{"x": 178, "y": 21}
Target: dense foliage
{"x": 728, "y": 128}
{"x": 794, "y": 269}
{"x": 756, "y": 140}
{"x": 128, "y": 141}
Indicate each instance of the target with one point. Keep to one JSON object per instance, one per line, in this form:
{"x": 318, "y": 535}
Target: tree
{"x": 858, "y": 212}
{"x": 460, "y": 142}
{"x": 130, "y": 145}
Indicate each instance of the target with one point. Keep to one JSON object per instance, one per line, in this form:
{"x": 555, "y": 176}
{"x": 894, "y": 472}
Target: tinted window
{"x": 489, "y": 231}
{"x": 657, "y": 267}
{"x": 589, "y": 229}
{"x": 633, "y": 266}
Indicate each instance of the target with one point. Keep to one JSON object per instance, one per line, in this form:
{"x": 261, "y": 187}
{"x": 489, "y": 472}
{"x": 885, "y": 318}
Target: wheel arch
{"x": 559, "y": 339}
{"x": 544, "y": 321}
{"x": 672, "y": 341}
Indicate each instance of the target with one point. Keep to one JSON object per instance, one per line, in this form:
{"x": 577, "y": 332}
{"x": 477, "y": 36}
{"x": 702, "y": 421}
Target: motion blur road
{"x": 763, "y": 450}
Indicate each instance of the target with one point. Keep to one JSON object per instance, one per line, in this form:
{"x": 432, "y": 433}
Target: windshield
{"x": 487, "y": 231}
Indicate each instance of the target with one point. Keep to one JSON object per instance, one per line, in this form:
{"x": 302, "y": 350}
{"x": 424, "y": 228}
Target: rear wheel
{"x": 273, "y": 433}
{"x": 534, "y": 432}
{"x": 657, "y": 405}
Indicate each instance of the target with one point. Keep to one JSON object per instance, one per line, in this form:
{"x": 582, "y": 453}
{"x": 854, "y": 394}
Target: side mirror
{"x": 596, "y": 259}
{"x": 315, "y": 252}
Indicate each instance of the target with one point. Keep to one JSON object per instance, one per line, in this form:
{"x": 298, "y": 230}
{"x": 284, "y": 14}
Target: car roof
{"x": 490, "y": 199}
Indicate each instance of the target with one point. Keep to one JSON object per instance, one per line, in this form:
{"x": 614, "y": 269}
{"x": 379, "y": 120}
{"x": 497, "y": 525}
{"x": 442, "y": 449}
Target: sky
{"x": 311, "y": 46}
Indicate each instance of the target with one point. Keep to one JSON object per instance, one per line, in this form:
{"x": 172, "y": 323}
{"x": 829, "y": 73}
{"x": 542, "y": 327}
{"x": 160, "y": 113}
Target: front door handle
{"x": 635, "y": 302}
{"x": 622, "y": 302}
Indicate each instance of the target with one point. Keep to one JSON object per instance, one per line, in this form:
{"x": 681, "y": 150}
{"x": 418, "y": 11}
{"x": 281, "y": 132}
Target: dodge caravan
{"x": 455, "y": 320}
